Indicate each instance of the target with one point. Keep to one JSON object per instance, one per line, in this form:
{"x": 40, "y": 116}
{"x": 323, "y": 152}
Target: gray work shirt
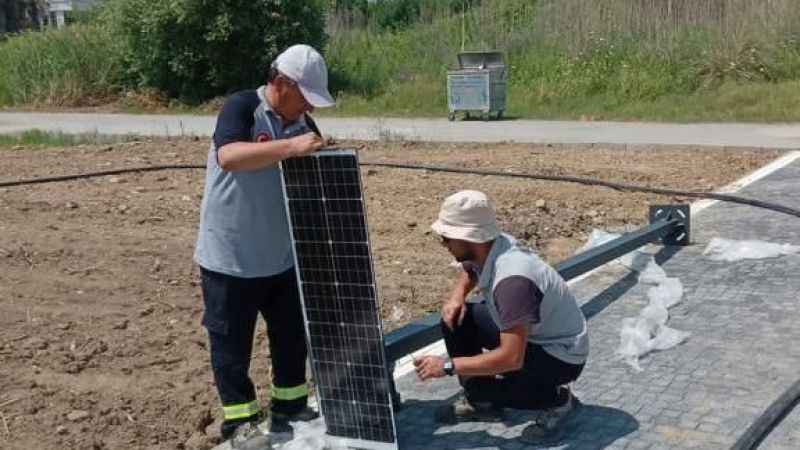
{"x": 244, "y": 231}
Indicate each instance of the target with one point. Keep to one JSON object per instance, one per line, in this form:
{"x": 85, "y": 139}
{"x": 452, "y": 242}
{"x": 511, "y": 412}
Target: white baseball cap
{"x": 305, "y": 66}
{"x": 467, "y": 216}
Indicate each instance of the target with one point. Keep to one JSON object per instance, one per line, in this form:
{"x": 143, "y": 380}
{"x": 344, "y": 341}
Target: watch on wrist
{"x": 449, "y": 368}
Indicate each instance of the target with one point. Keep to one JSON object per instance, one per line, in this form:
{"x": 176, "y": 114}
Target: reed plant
{"x": 74, "y": 66}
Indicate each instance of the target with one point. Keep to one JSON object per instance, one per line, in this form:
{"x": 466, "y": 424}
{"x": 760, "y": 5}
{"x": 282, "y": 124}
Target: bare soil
{"x": 100, "y": 338}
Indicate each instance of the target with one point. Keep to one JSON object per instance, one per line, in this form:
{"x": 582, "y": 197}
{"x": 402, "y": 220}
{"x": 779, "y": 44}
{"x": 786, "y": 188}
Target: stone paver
{"x": 703, "y": 394}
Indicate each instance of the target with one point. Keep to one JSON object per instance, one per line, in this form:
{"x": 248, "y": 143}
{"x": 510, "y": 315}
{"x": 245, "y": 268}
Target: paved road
{"x": 749, "y": 135}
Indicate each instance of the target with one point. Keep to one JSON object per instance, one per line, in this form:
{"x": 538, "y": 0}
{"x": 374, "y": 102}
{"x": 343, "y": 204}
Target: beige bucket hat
{"x": 467, "y": 216}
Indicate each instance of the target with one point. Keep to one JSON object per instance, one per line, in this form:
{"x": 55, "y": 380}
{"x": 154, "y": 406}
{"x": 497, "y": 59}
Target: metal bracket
{"x": 681, "y": 213}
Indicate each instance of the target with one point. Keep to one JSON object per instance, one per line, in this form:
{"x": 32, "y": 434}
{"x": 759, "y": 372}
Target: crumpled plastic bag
{"x": 667, "y": 293}
{"x": 641, "y": 335}
{"x": 667, "y": 337}
{"x": 647, "y": 332}
{"x": 634, "y": 341}
{"x": 310, "y": 436}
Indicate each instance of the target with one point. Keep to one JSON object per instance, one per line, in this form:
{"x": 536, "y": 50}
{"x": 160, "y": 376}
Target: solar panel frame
{"x": 348, "y": 237}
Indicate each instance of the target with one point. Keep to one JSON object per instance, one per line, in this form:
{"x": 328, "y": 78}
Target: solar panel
{"x": 326, "y": 212}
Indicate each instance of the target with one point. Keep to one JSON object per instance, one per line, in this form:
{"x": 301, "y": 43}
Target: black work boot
{"x": 279, "y": 422}
{"x": 548, "y": 427}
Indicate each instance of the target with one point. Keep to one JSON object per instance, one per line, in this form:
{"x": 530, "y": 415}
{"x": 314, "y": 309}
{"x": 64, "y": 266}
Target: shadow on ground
{"x": 477, "y": 117}
{"x": 590, "y": 427}
{"x": 614, "y": 292}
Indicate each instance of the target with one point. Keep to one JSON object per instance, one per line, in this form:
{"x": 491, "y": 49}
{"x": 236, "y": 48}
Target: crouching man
{"x": 522, "y": 342}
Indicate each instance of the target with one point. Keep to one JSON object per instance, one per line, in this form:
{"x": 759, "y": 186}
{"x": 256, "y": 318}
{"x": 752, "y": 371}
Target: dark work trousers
{"x": 535, "y": 386}
{"x": 232, "y": 306}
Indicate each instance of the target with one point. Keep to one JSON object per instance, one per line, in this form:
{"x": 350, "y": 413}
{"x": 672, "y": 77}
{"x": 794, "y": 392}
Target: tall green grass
{"x": 75, "y": 66}
{"x": 39, "y": 138}
{"x": 365, "y": 60}
{"x": 573, "y": 58}
{"x": 657, "y": 23}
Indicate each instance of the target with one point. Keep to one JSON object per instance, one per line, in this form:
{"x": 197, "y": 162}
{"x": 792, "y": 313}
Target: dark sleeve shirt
{"x": 517, "y": 300}
{"x": 235, "y": 121}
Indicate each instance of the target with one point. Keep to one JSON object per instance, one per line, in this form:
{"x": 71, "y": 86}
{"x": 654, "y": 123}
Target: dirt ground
{"x": 100, "y": 338}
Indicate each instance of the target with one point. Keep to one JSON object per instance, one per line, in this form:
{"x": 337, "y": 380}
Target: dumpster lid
{"x": 481, "y": 60}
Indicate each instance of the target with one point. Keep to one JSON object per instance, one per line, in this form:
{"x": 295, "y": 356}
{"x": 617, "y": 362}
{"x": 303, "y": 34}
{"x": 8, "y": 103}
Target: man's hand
{"x": 454, "y": 308}
{"x": 305, "y": 144}
{"x": 429, "y": 367}
{"x": 453, "y": 312}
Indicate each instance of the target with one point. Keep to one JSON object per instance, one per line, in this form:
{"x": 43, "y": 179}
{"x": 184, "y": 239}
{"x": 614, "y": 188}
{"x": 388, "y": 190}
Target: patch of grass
{"x": 73, "y": 66}
{"x": 42, "y": 139}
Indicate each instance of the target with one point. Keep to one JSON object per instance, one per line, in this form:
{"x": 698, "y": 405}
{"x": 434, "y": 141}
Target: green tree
{"x": 198, "y": 49}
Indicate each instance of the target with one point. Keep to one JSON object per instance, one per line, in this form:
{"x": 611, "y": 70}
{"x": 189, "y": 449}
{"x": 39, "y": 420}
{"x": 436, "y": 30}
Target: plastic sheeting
{"x": 720, "y": 249}
{"x": 309, "y": 436}
{"x": 649, "y": 331}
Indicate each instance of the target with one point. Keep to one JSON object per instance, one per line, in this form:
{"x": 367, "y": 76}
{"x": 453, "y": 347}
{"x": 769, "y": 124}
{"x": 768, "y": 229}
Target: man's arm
{"x": 233, "y": 138}
{"x": 507, "y": 357}
{"x": 239, "y": 156}
{"x": 517, "y": 299}
{"x": 453, "y": 309}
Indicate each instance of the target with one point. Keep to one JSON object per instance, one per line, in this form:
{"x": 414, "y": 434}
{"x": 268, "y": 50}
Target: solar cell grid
{"x": 334, "y": 265}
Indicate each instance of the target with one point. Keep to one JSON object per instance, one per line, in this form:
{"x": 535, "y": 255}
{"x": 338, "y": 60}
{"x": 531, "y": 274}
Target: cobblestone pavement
{"x": 742, "y": 354}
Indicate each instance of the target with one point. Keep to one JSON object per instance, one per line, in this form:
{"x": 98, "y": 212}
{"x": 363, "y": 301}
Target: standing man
{"x": 527, "y": 320}
{"x": 244, "y": 247}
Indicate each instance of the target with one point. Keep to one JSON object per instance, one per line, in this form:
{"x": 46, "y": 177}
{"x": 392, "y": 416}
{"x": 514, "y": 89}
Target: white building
{"x": 57, "y": 9}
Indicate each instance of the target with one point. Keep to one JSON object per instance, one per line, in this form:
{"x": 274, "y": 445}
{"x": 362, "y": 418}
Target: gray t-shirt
{"x": 243, "y": 230}
{"x": 516, "y": 298}
{"x": 559, "y": 326}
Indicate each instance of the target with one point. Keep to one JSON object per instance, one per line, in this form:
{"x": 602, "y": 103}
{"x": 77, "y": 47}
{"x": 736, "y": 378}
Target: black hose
{"x": 760, "y": 429}
{"x": 559, "y": 178}
{"x": 593, "y": 182}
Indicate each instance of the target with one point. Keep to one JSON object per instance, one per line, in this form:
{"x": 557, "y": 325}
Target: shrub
{"x": 197, "y": 49}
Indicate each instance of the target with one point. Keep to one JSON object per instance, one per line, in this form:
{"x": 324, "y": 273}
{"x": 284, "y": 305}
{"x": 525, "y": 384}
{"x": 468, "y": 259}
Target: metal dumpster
{"x": 479, "y": 85}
